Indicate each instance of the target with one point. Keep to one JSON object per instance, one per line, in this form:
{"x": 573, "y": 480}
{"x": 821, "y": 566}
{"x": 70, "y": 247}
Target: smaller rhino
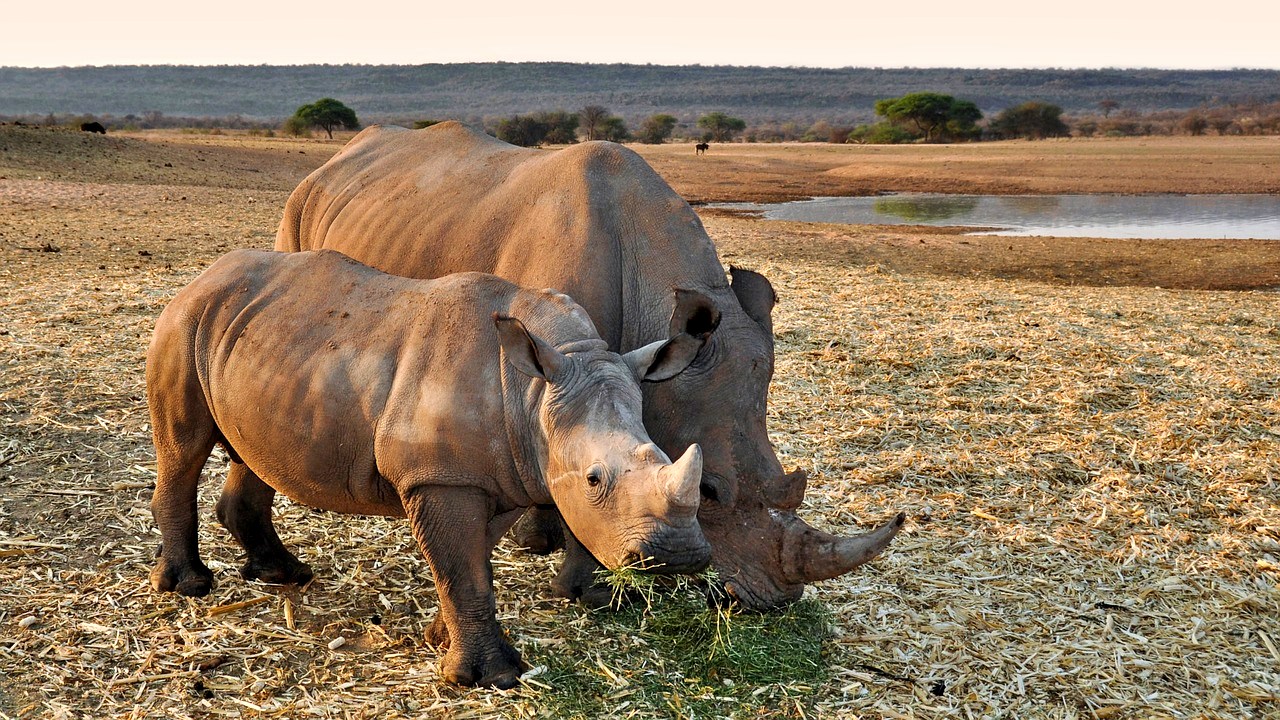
{"x": 350, "y": 390}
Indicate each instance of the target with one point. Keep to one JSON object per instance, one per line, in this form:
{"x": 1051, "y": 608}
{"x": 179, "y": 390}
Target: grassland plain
{"x": 1090, "y": 472}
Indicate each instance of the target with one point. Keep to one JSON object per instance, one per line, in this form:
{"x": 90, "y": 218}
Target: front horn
{"x": 809, "y": 554}
{"x": 683, "y": 478}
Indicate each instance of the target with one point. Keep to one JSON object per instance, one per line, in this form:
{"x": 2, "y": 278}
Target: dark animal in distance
{"x": 701, "y": 148}
{"x": 455, "y": 402}
{"x": 93, "y": 127}
{"x": 596, "y": 222}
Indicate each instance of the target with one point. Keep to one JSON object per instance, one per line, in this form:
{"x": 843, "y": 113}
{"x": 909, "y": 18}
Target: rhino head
{"x": 618, "y": 492}
{"x": 763, "y": 551}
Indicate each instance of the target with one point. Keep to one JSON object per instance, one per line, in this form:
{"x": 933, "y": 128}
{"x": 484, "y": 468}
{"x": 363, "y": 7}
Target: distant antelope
{"x": 701, "y": 148}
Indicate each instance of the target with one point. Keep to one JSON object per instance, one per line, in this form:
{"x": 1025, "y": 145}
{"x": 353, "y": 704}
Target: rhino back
{"x": 337, "y": 383}
{"x": 593, "y": 220}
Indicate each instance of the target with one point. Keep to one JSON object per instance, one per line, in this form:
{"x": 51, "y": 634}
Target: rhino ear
{"x": 755, "y": 294}
{"x": 695, "y": 314}
{"x": 664, "y": 359}
{"x": 527, "y": 352}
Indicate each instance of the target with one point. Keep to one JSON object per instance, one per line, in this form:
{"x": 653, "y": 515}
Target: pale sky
{"x": 863, "y": 33}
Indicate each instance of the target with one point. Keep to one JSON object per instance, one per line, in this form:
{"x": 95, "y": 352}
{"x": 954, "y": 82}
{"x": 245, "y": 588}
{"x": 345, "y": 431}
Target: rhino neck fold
{"x": 522, "y": 399}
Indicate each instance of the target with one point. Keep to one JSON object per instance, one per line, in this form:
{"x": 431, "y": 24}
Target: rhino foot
{"x": 586, "y": 588}
{"x": 285, "y": 570}
{"x": 495, "y": 664}
{"x": 191, "y": 580}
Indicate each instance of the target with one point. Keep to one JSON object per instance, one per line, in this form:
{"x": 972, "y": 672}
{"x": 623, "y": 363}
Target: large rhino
{"x": 595, "y": 221}
{"x": 355, "y": 391}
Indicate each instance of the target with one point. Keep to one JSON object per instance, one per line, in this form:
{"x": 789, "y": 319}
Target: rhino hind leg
{"x": 245, "y": 510}
{"x": 178, "y": 566}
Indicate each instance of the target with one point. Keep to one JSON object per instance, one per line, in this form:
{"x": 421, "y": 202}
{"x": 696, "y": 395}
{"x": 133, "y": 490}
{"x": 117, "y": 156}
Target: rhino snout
{"x": 675, "y": 551}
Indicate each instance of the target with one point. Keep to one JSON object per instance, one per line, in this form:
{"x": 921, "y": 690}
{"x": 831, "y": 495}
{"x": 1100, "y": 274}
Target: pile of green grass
{"x": 671, "y": 649}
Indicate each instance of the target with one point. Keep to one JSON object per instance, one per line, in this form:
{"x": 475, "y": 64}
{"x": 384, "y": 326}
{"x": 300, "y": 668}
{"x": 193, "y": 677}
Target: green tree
{"x": 614, "y": 129}
{"x": 562, "y": 127}
{"x": 721, "y": 127}
{"x": 933, "y": 116}
{"x": 327, "y": 114}
{"x": 555, "y": 128}
{"x": 657, "y": 128}
{"x": 1033, "y": 120}
{"x": 522, "y": 130}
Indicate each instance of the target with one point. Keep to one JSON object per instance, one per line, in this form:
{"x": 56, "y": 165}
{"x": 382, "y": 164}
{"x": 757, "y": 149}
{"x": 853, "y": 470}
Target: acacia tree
{"x": 721, "y": 127}
{"x": 592, "y": 118}
{"x": 326, "y": 114}
{"x": 1107, "y": 105}
{"x": 932, "y": 115}
{"x": 1033, "y": 120}
{"x": 657, "y": 128}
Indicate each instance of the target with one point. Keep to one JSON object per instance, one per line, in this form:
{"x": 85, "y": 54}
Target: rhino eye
{"x": 593, "y": 478}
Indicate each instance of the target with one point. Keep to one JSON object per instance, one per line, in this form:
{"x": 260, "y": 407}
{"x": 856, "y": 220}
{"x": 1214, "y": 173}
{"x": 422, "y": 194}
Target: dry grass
{"x": 1091, "y": 476}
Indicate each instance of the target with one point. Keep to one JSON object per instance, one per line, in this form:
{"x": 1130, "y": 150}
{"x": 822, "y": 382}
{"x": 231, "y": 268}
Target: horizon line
{"x": 1060, "y": 68}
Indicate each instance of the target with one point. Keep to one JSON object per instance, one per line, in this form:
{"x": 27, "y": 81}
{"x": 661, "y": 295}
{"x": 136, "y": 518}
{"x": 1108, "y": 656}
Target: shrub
{"x": 882, "y": 133}
{"x": 1032, "y": 120}
{"x": 657, "y": 128}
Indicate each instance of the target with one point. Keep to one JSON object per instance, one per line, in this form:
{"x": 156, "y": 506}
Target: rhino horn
{"x": 683, "y": 477}
{"x": 811, "y": 555}
{"x": 787, "y": 492}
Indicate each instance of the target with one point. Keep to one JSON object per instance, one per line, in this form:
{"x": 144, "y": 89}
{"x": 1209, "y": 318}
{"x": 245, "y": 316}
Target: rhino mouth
{"x": 671, "y": 555}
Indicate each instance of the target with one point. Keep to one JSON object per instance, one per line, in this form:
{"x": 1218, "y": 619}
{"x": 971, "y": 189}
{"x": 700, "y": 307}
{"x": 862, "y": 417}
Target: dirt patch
{"x": 793, "y": 171}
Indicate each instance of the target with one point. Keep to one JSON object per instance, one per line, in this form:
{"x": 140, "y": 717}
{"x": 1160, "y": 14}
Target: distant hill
{"x": 472, "y": 91}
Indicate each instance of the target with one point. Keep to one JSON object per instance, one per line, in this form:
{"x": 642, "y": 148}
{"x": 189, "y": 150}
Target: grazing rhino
{"x": 595, "y": 221}
{"x": 354, "y": 391}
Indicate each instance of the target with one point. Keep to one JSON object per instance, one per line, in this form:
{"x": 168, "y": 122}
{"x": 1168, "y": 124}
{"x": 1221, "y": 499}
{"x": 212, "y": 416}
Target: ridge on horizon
{"x": 474, "y": 91}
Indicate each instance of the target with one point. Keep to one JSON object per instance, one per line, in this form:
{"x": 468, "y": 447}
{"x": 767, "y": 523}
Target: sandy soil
{"x": 790, "y": 171}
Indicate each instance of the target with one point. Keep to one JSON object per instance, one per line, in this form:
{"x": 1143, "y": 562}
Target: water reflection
{"x": 926, "y": 209}
{"x": 1102, "y": 216}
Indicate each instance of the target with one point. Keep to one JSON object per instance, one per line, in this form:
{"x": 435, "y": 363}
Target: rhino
{"x": 595, "y": 221}
{"x": 455, "y": 402}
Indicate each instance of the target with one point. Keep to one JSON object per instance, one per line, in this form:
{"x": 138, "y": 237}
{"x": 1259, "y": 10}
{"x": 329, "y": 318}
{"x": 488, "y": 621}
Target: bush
{"x": 296, "y": 127}
{"x": 555, "y": 128}
{"x": 882, "y": 133}
{"x": 657, "y": 128}
{"x": 1032, "y": 120}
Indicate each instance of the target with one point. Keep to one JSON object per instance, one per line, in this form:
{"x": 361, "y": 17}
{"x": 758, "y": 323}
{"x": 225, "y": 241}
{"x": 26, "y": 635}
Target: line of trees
{"x": 595, "y": 122}
{"x": 915, "y": 117}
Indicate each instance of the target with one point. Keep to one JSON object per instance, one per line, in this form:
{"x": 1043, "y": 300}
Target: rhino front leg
{"x": 451, "y": 525}
{"x": 579, "y": 576}
{"x": 539, "y": 531}
{"x": 245, "y": 510}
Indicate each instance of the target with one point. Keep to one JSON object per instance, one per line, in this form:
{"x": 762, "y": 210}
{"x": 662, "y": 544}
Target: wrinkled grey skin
{"x": 595, "y": 221}
{"x": 358, "y": 392}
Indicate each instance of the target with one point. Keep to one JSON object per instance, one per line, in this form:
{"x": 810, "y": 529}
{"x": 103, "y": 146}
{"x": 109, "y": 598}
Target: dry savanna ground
{"x": 1089, "y": 463}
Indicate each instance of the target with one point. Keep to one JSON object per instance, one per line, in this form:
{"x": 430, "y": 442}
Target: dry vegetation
{"x": 1090, "y": 474}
